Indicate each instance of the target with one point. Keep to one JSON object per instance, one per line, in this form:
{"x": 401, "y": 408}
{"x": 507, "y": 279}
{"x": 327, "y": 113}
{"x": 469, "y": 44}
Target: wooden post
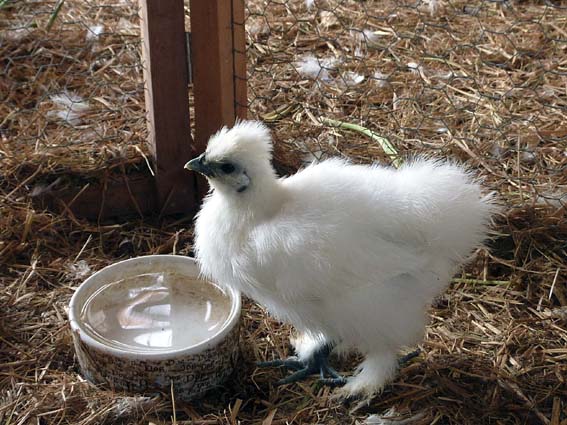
{"x": 167, "y": 102}
{"x": 239, "y": 49}
{"x": 219, "y": 68}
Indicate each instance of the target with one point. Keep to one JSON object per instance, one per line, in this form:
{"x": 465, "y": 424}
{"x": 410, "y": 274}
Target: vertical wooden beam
{"x": 218, "y": 54}
{"x": 213, "y": 68}
{"x": 167, "y": 101}
{"x": 239, "y": 49}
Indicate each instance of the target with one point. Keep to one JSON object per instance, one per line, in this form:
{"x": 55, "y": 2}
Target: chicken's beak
{"x": 199, "y": 165}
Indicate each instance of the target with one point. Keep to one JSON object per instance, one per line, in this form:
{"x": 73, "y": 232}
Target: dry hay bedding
{"x": 495, "y": 350}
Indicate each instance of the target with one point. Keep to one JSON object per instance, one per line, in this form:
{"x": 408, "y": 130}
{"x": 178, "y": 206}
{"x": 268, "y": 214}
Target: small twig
{"x": 384, "y": 143}
{"x": 79, "y": 193}
{"x": 54, "y": 14}
{"x": 174, "y": 419}
{"x": 480, "y": 282}
{"x": 279, "y": 113}
{"x": 83, "y": 248}
{"x": 234, "y": 411}
{"x": 132, "y": 197}
{"x": 530, "y": 405}
{"x": 26, "y": 181}
{"x": 268, "y": 420}
{"x": 141, "y": 152}
{"x": 553, "y": 283}
{"x": 15, "y": 347}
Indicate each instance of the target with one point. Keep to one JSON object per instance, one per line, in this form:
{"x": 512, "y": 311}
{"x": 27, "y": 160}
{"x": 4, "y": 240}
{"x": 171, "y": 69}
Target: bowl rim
{"x": 77, "y": 328}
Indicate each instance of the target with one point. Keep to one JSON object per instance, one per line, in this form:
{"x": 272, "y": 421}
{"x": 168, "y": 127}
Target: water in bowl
{"x": 155, "y": 312}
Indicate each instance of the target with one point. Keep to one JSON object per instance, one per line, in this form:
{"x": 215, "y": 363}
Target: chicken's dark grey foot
{"x": 318, "y": 363}
{"x": 407, "y": 357}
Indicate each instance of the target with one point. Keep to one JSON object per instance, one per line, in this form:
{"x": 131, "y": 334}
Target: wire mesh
{"x": 482, "y": 81}
{"x": 71, "y": 92}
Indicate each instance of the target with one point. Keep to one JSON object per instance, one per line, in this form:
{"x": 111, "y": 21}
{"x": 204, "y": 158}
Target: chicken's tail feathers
{"x": 476, "y": 214}
{"x": 461, "y": 214}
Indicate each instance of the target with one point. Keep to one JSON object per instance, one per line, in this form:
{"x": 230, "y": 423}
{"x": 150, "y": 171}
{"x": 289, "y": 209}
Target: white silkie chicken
{"x": 350, "y": 255}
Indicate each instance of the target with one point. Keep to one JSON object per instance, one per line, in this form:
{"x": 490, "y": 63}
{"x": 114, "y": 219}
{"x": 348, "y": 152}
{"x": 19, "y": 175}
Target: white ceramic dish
{"x": 144, "y": 324}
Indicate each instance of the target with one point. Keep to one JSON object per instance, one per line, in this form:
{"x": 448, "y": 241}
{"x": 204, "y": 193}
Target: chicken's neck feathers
{"x": 252, "y": 207}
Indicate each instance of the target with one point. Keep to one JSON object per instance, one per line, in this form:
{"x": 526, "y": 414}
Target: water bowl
{"x": 149, "y": 323}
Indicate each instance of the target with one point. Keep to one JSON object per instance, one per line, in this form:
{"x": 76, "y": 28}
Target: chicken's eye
{"x": 227, "y": 168}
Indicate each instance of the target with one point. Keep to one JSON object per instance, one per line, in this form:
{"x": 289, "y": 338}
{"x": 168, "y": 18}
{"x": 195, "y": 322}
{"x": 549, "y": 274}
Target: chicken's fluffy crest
{"x": 246, "y": 139}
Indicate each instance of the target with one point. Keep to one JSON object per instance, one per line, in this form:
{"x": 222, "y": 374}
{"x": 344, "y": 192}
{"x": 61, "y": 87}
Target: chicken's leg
{"x": 318, "y": 363}
{"x": 406, "y": 358}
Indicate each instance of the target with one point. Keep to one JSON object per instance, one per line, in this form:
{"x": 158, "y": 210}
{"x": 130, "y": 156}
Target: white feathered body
{"x": 347, "y": 253}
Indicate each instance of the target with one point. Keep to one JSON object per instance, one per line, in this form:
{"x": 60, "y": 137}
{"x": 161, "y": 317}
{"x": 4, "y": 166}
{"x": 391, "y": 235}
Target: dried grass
{"x": 76, "y": 58}
{"x": 483, "y": 82}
